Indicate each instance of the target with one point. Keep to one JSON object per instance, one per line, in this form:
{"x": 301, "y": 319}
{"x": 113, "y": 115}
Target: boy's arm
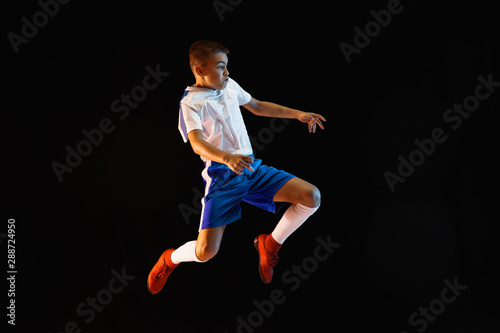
{"x": 268, "y": 109}
{"x": 201, "y": 147}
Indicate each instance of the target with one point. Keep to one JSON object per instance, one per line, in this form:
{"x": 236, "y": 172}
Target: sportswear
{"x": 225, "y": 189}
{"x": 217, "y": 113}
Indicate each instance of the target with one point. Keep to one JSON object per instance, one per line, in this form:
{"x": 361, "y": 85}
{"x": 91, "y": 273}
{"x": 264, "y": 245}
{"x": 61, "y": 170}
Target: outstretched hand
{"x": 311, "y": 119}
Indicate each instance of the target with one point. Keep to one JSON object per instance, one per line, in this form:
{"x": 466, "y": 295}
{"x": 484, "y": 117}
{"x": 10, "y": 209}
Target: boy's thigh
{"x": 211, "y": 236}
{"x": 265, "y": 182}
{"x": 221, "y": 206}
{"x": 296, "y": 191}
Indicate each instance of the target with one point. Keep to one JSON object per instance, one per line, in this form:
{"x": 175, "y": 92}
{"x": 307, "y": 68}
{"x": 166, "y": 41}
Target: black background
{"x": 119, "y": 209}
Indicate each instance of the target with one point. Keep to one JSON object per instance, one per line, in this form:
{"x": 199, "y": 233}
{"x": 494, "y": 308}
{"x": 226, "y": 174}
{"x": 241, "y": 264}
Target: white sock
{"x": 185, "y": 253}
{"x": 293, "y": 218}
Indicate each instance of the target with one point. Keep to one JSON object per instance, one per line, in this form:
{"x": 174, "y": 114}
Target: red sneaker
{"x": 160, "y": 272}
{"x": 267, "y": 260}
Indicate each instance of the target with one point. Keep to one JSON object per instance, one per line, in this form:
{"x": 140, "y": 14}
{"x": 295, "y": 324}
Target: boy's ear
{"x": 198, "y": 70}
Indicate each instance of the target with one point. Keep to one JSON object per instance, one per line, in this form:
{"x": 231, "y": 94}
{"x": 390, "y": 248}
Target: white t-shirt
{"x": 217, "y": 113}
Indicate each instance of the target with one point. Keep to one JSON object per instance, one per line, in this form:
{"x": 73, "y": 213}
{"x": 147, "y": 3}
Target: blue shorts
{"x": 225, "y": 189}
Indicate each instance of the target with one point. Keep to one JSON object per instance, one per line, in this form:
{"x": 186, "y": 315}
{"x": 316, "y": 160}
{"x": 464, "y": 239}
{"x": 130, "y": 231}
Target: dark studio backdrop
{"x": 403, "y": 241}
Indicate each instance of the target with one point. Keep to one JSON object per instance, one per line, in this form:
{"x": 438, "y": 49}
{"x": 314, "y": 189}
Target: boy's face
{"x": 214, "y": 73}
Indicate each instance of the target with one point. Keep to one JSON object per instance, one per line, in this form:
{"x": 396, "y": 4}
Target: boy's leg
{"x": 305, "y": 199}
{"x": 200, "y": 250}
{"x": 204, "y": 248}
{"x": 298, "y": 191}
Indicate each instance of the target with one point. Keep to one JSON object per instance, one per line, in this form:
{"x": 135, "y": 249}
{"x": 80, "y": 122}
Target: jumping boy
{"x": 210, "y": 119}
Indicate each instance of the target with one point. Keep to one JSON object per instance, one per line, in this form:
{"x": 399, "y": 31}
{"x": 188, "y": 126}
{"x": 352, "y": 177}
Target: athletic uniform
{"x": 217, "y": 113}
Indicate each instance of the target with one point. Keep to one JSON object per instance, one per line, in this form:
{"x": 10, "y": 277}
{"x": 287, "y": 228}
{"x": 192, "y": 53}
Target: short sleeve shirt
{"x": 217, "y": 113}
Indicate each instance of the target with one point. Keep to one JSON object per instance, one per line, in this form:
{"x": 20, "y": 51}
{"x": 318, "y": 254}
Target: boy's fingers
{"x": 318, "y": 116}
{"x": 320, "y": 124}
{"x": 248, "y": 166}
{"x": 312, "y": 124}
{"x": 246, "y": 162}
{"x": 236, "y": 169}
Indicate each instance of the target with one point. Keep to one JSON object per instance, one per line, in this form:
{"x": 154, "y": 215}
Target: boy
{"x": 210, "y": 119}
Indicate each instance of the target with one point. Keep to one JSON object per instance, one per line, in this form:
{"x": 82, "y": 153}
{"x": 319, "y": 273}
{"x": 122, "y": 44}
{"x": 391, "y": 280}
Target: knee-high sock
{"x": 185, "y": 253}
{"x": 293, "y": 218}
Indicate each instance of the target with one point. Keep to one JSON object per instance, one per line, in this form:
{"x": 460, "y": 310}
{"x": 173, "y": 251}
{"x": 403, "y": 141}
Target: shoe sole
{"x": 147, "y": 285}
{"x": 256, "y": 245}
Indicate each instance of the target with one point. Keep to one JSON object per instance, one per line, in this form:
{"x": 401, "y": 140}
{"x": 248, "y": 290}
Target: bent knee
{"x": 312, "y": 197}
{"x": 205, "y": 252}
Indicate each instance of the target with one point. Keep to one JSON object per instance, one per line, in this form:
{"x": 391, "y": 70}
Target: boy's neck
{"x": 200, "y": 83}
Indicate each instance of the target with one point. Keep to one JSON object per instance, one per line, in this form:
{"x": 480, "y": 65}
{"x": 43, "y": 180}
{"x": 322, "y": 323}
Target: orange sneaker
{"x": 267, "y": 260}
{"x": 160, "y": 272}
